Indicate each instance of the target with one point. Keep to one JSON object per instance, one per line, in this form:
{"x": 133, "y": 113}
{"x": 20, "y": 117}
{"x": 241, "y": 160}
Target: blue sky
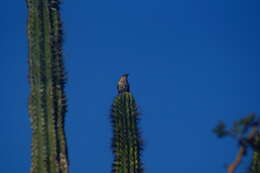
{"x": 190, "y": 63}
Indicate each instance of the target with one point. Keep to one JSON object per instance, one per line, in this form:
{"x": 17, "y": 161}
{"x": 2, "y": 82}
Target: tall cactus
{"x": 47, "y": 101}
{"x": 126, "y": 142}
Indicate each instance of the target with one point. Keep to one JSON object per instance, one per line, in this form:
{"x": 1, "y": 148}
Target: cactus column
{"x": 126, "y": 144}
{"x": 256, "y": 156}
{"x": 47, "y": 101}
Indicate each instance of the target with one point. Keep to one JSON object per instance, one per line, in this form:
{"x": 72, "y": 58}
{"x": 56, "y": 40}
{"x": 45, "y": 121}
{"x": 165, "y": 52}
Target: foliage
{"x": 246, "y": 132}
{"x": 239, "y": 128}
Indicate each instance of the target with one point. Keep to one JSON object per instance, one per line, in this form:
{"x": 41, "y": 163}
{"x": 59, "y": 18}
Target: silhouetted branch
{"x": 242, "y": 150}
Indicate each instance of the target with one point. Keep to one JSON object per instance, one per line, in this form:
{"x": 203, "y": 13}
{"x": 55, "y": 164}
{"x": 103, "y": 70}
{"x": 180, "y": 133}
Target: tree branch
{"x": 232, "y": 167}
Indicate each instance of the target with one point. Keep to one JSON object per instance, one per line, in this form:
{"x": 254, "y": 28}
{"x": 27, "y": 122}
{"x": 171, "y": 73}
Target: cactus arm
{"x": 47, "y": 104}
{"x": 126, "y": 141}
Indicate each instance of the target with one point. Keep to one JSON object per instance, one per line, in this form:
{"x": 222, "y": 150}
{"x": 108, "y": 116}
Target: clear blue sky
{"x": 191, "y": 63}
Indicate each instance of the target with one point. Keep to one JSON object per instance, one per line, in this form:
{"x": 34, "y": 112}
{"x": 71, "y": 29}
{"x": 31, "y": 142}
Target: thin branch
{"x": 232, "y": 167}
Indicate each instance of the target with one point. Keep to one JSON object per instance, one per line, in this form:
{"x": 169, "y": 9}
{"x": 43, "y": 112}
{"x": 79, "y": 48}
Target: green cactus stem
{"x": 126, "y": 141}
{"x": 47, "y": 101}
{"x": 255, "y": 168}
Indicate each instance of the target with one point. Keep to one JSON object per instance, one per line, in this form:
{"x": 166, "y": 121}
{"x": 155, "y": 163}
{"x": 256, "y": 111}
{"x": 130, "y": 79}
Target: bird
{"x": 123, "y": 85}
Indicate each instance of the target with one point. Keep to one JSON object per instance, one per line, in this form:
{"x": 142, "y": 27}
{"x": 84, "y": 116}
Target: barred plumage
{"x": 123, "y": 85}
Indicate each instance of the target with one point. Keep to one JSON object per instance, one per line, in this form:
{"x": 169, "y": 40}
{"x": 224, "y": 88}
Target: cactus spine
{"x": 126, "y": 142}
{"x": 47, "y": 101}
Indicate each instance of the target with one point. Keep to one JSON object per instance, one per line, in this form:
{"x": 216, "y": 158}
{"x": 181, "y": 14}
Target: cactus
{"x": 47, "y": 101}
{"x": 126, "y": 141}
{"x": 255, "y": 166}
